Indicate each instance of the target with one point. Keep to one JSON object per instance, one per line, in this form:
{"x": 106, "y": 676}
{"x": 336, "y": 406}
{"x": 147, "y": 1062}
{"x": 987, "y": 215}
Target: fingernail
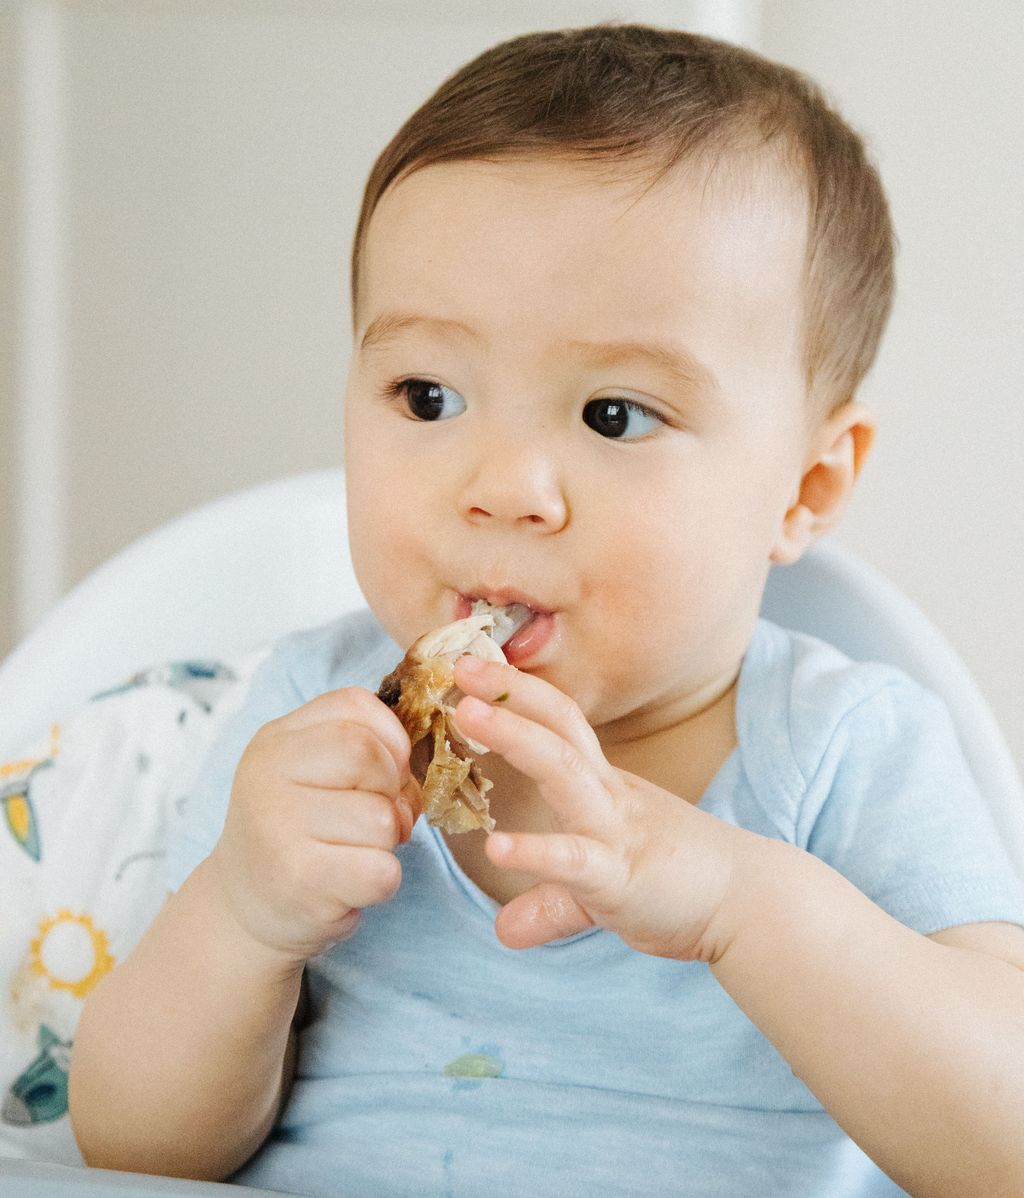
{"x": 471, "y": 665}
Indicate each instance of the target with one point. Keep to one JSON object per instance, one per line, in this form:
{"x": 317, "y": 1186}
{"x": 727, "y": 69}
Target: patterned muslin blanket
{"x": 85, "y": 815}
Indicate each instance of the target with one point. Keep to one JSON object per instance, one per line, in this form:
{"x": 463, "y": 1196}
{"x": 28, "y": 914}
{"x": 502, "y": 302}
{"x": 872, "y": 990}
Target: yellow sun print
{"x": 71, "y": 953}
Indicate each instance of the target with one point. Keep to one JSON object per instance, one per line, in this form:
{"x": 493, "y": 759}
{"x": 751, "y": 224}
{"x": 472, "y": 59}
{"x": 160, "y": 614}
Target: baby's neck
{"x": 681, "y": 758}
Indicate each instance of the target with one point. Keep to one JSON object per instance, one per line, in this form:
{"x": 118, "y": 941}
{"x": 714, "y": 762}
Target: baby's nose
{"x": 519, "y": 486}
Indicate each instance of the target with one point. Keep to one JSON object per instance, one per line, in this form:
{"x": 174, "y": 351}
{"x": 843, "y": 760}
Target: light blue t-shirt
{"x": 436, "y": 1062}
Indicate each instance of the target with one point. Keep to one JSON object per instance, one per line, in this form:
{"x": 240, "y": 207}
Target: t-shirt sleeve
{"x": 893, "y": 807}
{"x": 197, "y": 824}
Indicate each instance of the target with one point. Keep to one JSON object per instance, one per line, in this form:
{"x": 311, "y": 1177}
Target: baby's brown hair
{"x": 652, "y": 98}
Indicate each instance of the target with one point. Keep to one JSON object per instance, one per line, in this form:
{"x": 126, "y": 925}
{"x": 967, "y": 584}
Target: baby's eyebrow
{"x": 672, "y": 360}
{"x": 389, "y": 325}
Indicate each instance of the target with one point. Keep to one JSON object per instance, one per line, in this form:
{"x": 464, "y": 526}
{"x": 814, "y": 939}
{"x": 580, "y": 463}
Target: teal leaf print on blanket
{"x": 40, "y": 1094}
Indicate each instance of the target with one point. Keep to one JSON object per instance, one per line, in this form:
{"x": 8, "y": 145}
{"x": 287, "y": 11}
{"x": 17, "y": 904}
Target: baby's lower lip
{"x": 528, "y": 642}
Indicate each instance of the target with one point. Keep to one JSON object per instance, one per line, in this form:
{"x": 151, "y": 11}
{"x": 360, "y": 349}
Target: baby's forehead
{"x": 741, "y": 195}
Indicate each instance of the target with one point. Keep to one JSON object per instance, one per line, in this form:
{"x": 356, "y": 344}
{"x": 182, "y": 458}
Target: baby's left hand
{"x": 627, "y": 855}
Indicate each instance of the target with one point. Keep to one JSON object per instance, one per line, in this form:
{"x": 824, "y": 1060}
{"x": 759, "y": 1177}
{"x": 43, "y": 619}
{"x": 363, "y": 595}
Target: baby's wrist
{"x": 238, "y": 929}
{"x": 764, "y": 875}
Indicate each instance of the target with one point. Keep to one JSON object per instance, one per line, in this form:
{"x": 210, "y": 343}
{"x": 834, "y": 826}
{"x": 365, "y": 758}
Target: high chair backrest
{"x": 242, "y": 570}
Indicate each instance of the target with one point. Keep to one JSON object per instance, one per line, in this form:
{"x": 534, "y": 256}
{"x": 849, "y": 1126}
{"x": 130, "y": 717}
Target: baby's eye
{"x": 621, "y": 418}
{"x": 430, "y": 401}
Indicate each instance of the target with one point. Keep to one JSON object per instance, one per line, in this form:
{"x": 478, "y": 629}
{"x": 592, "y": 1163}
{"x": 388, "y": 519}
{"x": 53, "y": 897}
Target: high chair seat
{"x": 215, "y": 582}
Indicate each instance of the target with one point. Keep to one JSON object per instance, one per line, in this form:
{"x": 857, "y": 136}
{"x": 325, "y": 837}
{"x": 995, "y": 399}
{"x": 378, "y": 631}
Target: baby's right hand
{"x": 321, "y": 799}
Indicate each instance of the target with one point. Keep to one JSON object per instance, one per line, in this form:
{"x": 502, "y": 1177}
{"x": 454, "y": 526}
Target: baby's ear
{"x": 835, "y": 456}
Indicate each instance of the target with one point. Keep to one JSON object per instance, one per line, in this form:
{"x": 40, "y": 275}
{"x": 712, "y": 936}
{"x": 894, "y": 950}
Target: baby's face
{"x": 573, "y": 395}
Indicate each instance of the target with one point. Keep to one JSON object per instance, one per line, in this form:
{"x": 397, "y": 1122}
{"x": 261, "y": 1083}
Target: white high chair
{"x": 237, "y": 572}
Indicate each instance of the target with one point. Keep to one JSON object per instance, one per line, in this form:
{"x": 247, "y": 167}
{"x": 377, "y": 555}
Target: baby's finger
{"x": 355, "y": 817}
{"x": 543, "y": 913}
{"x": 410, "y": 807}
{"x": 568, "y": 780}
{"x": 356, "y": 876}
{"x": 499, "y": 683}
{"x": 353, "y": 705}
{"x": 587, "y": 867}
{"x": 341, "y": 756}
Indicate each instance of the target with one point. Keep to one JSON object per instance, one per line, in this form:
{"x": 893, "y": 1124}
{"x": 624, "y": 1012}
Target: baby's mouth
{"x": 508, "y": 618}
{"x": 522, "y": 629}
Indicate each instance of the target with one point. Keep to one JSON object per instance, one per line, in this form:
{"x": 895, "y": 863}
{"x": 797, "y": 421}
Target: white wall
{"x": 938, "y": 90}
{"x": 194, "y": 172}
{"x": 7, "y": 333}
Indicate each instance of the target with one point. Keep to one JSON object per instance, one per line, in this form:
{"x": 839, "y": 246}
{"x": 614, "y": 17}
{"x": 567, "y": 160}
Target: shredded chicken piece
{"x": 422, "y": 692}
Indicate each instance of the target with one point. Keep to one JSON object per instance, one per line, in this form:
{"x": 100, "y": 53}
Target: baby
{"x": 742, "y": 927}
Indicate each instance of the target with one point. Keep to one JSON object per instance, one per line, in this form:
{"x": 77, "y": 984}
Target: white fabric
{"x": 83, "y": 835}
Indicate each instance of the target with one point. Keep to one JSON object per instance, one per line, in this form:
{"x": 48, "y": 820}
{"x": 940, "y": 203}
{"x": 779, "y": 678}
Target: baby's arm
{"x": 184, "y": 1053}
{"x": 914, "y": 1045}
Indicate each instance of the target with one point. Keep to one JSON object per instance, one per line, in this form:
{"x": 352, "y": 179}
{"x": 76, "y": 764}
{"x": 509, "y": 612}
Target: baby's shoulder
{"x": 804, "y": 705}
{"x": 825, "y": 686}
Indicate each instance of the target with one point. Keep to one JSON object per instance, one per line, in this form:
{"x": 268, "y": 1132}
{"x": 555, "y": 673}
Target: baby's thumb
{"x": 410, "y": 807}
{"x": 545, "y": 912}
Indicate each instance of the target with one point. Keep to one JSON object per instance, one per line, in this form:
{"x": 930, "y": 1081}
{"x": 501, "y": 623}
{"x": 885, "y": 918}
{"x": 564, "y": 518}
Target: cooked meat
{"x": 422, "y": 692}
